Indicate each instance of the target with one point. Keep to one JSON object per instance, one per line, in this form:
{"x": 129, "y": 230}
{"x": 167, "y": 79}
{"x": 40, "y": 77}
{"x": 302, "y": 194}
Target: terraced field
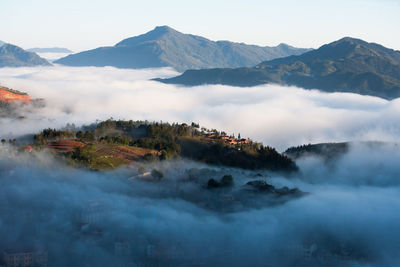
{"x": 103, "y": 155}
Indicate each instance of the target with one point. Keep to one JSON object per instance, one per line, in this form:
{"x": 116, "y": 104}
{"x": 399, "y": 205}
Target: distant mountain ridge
{"x": 346, "y": 65}
{"x": 49, "y": 50}
{"x": 166, "y": 47}
{"x": 14, "y": 56}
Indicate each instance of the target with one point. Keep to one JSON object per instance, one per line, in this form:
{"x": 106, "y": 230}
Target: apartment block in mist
{"x": 25, "y": 257}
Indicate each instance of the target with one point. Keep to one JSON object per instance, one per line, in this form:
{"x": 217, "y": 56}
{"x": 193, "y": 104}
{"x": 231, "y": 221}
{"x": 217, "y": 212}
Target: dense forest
{"x": 328, "y": 151}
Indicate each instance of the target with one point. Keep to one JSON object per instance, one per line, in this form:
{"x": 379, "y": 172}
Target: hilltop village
{"x": 112, "y": 143}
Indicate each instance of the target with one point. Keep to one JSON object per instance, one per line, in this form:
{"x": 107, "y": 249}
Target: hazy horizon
{"x": 85, "y": 25}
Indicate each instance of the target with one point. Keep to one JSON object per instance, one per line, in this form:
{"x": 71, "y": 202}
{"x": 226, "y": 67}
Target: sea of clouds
{"x": 275, "y": 115}
{"x": 42, "y": 201}
{"x": 352, "y": 201}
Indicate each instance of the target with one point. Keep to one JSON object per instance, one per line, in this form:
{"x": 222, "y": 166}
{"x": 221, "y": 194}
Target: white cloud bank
{"x": 278, "y": 116}
{"x": 353, "y": 201}
{"x": 340, "y": 210}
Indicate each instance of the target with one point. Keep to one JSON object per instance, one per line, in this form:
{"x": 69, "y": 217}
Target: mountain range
{"x": 346, "y": 65}
{"x": 14, "y": 56}
{"x": 49, "y": 50}
{"x": 166, "y": 47}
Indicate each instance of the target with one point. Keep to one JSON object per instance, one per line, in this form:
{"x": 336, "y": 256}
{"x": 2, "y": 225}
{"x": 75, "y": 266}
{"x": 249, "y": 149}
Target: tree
{"x": 79, "y": 135}
{"x": 156, "y": 174}
{"x": 88, "y": 136}
{"x": 3, "y": 141}
{"x": 212, "y": 183}
{"x": 227, "y": 180}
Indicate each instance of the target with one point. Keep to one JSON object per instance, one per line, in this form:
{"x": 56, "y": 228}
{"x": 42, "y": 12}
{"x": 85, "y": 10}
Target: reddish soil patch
{"x": 8, "y": 96}
{"x": 64, "y": 145}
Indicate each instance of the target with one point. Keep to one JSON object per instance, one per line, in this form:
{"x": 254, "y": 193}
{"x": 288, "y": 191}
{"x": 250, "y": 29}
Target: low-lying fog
{"x": 349, "y": 218}
{"x": 277, "y": 116}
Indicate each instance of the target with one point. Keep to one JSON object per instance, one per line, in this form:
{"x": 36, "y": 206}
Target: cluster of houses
{"x": 212, "y": 138}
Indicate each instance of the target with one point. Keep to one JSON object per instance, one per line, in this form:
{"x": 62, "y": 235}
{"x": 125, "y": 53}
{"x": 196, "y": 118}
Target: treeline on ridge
{"x": 175, "y": 140}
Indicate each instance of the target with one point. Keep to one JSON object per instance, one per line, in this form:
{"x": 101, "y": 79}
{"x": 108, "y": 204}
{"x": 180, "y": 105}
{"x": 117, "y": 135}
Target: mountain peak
{"x": 348, "y": 41}
{"x": 11, "y": 47}
{"x": 164, "y": 29}
{"x": 161, "y": 31}
{"x": 49, "y": 50}
{"x": 283, "y": 45}
{"x": 14, "y": 56}
{"x": 164, "y": 46}
{"x": 348, "y": 47}
{"x": 155, "y": 34}
{"x": 346, "y": 65}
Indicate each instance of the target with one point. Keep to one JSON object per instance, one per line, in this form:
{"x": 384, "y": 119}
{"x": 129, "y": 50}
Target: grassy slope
{"x": 99, "y": 156}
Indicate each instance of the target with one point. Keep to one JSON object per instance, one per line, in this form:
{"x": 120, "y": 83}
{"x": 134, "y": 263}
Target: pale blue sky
{"x": 85, "y": 24}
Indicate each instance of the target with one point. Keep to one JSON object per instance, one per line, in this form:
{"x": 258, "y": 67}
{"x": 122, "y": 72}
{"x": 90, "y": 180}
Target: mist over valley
{"x": 148, "y": 210}
{"x": 212, "y": 133}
